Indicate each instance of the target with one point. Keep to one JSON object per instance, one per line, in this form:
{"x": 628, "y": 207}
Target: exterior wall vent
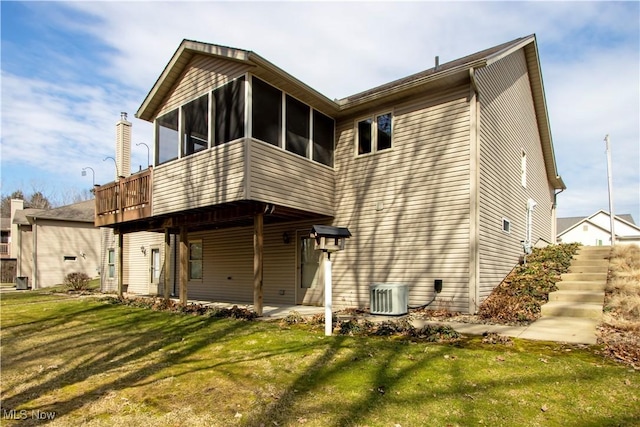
{"x": 390, "y": 299}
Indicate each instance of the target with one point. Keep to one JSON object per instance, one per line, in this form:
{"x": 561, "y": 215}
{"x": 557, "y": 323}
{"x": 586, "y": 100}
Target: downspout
{"x": 35, "y": 253}
{"x": 19, "y": 253}
{"x": 474, "y": 182}
{"x": 554, "y": 216}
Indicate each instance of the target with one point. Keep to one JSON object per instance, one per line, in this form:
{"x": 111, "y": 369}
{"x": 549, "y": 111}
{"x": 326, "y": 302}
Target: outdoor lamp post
{"x": 328, "y": 239}
{"x": 93, "y": 173}
{"x": 148, "y": 152}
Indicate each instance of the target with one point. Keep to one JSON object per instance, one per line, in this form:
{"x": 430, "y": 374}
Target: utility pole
{"x": 611, "y": 214}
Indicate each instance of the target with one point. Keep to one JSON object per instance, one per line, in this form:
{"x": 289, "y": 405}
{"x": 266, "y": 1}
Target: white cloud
{"x": 589, "y": 55}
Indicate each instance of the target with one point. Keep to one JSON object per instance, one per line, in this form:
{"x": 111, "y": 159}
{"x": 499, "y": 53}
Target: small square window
{"x": 506, "y": 225}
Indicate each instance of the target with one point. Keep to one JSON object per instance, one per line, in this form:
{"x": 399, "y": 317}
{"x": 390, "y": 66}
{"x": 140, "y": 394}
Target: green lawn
{"x": 95, "y": 364}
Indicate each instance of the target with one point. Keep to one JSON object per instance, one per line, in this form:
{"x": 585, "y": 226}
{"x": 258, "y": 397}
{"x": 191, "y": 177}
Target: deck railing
{"x": 124, "y": 200}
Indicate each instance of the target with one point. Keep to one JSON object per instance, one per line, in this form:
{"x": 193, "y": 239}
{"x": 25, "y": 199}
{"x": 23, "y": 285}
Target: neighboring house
{"x": 5, "y": 237}
{"x": 595, "y": 230}
{"x": 444, "y": 176}
{"x": 51, "y": 243}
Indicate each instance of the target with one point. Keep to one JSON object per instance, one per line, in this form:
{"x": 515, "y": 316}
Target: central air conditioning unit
{"x": 389, "y": 298}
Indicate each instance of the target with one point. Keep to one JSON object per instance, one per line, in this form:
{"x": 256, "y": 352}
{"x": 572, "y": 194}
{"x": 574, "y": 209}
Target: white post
{"x": 328, "y": 313}
{"x": 610, "y": 181}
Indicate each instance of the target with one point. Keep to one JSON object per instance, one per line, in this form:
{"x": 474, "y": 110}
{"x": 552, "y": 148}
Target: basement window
{"x": 70, "y": 258}
{"x": 506, "y": 225}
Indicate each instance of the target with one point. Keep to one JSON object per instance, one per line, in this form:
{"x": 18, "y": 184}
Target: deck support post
{"x": 120, "y": 263}
{"x": 184, "y": 264}
{"x": 258, "y": 254}
{"x": 167, "y": 264}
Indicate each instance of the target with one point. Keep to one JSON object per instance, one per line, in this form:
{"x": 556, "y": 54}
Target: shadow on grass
{"x": 341, "y": 380}
{"x": 130, "y": 335}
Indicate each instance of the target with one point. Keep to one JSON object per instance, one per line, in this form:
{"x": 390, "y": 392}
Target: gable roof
{"x": 76, "y": 212}
{"x": 569, "y": 223}
{"x": 450, "y": 73}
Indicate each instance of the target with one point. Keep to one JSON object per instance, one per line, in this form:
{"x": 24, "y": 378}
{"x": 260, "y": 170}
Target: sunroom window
{"x": 306, "y": 131}
{"x": 297, "y": 135}
{"x": 266, "y": 117}
{"x": 195, "y": 117}
{"x": 167, "y": 137}
{"x": 323, "y": 130}
{"x": 229, "y": 111}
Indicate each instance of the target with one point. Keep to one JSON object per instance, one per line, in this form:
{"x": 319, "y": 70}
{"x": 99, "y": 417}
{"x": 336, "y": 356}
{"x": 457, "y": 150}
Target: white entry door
{"x": 155, "y": 270}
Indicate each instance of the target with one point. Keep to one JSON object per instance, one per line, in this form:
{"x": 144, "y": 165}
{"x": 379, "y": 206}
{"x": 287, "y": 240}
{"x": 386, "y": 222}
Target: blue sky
{"x": 69, "y": 69}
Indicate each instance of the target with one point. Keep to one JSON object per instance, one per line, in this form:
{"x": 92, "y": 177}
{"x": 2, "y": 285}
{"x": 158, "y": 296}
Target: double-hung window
{"x": 111, "y": 263}
{"x": 195, "y": 260}
{"x": 374, "y": 134}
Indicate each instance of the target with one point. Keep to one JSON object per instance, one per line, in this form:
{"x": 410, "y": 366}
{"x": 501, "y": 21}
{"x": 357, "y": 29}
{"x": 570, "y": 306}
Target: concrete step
{"x": 577, "y": 296}
{"x": 589, "y": 268}
{"x": 572, "y": 309}
{"x": 581, "y": 285}
{"x": 585, "y": 277}
{"x": 593, "y": 253}
{"x": 600, "y": 263}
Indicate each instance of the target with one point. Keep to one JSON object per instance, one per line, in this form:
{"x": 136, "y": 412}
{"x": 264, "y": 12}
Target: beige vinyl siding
{"x": 206, "y": 178}
{"x": 25, "y": 253}
{"x": 228, "y": 264}
{"x": 138, "y": 264}
{"x": 421, "y": 232}
{"x": 108, "y": 240}
{"x": 57, "y": 239}
{"x": 507, "y": 128}
{"x": 202, "y": 75}
{"x": 280, "y": 177}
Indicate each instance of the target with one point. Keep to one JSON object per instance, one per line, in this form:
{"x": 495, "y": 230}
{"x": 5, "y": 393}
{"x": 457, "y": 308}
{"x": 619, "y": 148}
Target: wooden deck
{"x": 127, "y": 199}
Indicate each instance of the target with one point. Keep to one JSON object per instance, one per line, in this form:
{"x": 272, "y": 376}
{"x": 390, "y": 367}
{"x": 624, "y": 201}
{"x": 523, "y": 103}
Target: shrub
{"x": 77, "y": 281}
{"x": 519, "y": 297}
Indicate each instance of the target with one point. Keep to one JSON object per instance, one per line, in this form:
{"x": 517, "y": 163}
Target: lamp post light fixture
{"x": 93, "y": 173}
{"x": 148, "y": 152}
{"x": 115, "y": 163}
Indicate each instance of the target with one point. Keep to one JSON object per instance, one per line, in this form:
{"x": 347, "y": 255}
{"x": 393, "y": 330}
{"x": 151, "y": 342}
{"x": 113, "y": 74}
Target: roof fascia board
{"x": 542, "y": 115}
{"x": 346, "y": 105}
{"x": 189, "y": 47}
{"x": 510, "y": 49}
{"x": 269, "y": 66}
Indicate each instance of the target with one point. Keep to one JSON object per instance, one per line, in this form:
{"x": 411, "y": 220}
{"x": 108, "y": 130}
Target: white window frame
{"x": 506, "y": 225}
{"x": 190, "y": 261}
{"x": 523, "y": 169}
{"x": 374, "y": 133}
{"x": 109, "y": 264}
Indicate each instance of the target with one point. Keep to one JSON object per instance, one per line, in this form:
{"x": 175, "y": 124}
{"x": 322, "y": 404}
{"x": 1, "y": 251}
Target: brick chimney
{"x": 123, "y": 146}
